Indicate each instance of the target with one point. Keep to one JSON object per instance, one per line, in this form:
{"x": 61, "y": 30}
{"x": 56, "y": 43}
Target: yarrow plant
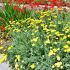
{"x": 40, "y": 38}
{"x": 40, "y": 42}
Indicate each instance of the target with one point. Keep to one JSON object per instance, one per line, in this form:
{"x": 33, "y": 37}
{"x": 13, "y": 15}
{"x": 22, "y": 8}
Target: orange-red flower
{"x": 10, "y": 1}
{"x": 53, "y": 0}
{"x": 51, "y": 5}
{"x": 21, "y": 9}
{"x": 11, "y": 19}
{"x": 20, "y": 1}
{"x": 46, "y": 7}
{"x": 15, "y": 7}
{"x": 0, "y": 19}
{"x": 2, "y": 28}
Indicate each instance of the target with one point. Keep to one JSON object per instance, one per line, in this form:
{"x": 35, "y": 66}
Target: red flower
{"x": 51, "y": 5}
{"x": 52, "y": 0}
{"x": 32, "y": 5}
{"x": 60, "y": 3}
{"x": 43, "y": 2}
{"x": 10, "y": 1}
{"x": 28, "y": 1}
{"x": 0, "y": 19}
{"x": 15, "y": 7}
{"x": 28, "y": 6}
{"x": 21, "y": 10}
{"x": 15, "y": 0}
{"x": 11, "y": 19}
{"x": 46, "y": 7}
{"x": 20, "y": 1}
{"x": 2, "y": 28}
{"x": 37, "y": 3}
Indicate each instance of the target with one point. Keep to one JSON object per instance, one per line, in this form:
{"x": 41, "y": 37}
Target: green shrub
{"x": 42, "y": 42}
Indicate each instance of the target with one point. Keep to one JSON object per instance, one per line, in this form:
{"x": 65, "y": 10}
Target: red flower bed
{"x": 32, "y": 3}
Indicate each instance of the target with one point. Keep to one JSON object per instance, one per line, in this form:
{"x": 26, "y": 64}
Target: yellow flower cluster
{"x": 34, "y": 41}
{"x": 3, "y": 57}
{"x": 16, "y": 30}
{"x": 66, "y": 48}
{"x": 10, "y": 47}
{"x": 1, "y": 47}
{"x": 58, "y": 57}
{"x": 53, "y": 51}
{"x": 17, "y": 60}
{"x": 17, "y": 66}
{"x": 32, "y": 66}
{"x": 13, "y": 26}
{"x": 67, "y": 28}
{"x": 58, "y": 65}
{"x": 68, "y": 42}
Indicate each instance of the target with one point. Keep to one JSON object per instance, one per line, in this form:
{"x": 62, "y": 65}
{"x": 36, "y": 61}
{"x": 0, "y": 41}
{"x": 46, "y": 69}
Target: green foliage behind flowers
{"x": 43, "y": 42}
{"x": 13, "y": 12}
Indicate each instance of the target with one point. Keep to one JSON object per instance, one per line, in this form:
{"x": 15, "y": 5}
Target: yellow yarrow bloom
{"x": 42, "y": 25}
{"x": 16, "y": 66}
{"x": 68, "y": 50}
{"x": 18, "y": 23}
{"x": 49, "y": 18}
{"x": 57, "y": 33}
{"x": 64, "y": 37}
{"x": 54, "y": 42}
{"x": 3, "y": 57}
{"x": 55, "y": 16}
{"x": 53, "y": 30}
{"x": 34, "y": 39}
{"x": 69, "y": 36}
{"x": 32, "y": 66}
{"x": 35, "y": 31}
{"x": 53, "y": 66}
{"x": 1, "y": 47}
{"x": 61, "y": 67}
{"x": 47, "y": 42}
{"x": 32, "y": 34}
{"x": 51, "y": 53}
{"x": 38, "y": 21}
{"x": 10, "y": 47}
{"x": 68, "y": 42}
{"x": 18, "y": 57}
{"x": 66, "y": 47}
{"x": 59, "y": 22}
{"x": 58, "y": 57}
{"x": 44, "y": 28}
{"x": 58, "y": 64}
{"x": 21, "y": 66}
{"x": 15, "y": 60}
{"x": 16, "y": 30}
{"x": 54, "y": 50}
{"x": 33, "y": 44}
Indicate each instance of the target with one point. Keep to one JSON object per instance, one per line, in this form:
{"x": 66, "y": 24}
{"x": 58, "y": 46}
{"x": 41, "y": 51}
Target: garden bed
{"x": 35, "y": 39}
